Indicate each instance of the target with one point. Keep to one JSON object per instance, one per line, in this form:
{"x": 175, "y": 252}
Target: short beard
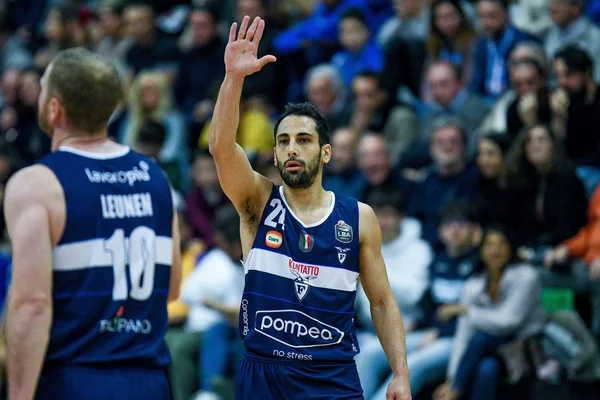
{"x": 301, "y": 179}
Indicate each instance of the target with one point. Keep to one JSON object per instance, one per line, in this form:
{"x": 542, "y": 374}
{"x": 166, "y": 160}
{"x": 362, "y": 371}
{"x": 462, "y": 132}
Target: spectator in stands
{"x": 325, "y": 89}
{"x": 13, "y": 54}
{"x": 201, "y": 67}
{"x": 532, "y": 105}
{"x": 500, "y": 301}
{"x": 450, "y": 97}
{"x": 496, "y": 118}
{"x": 115, "y": 42}
{"x": 407, "y": 259}
{"x": 341, "y": 175}
{"x": 150, "y": 99}
{"x": 490, "y": 77}
{"x": 576, "y": 106}
{"x": 550, "y": 202}
{"x": 410, "y": 23}
{"x": 452, "y": 37}
{"x": 213, "y": 292}
{"x": 493, "y": 197}
{"x": 450, "y": 178}
{"x": 151, "y": 49}
{"x": 359, "y": 52}
{"x": 204, "y": 197}
{"x": 372, "y": 111}
{"x": 429, "y": 345}
{"x": 572, "y": 27}
{"x": 375, "y": 164}
{"x": 533, "y": 17}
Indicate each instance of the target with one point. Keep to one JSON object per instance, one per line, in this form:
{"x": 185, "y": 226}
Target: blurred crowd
{"x": 470, "y": 126}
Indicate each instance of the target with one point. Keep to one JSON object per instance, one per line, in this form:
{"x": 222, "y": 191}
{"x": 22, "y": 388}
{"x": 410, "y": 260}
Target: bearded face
{"x": 297, "y": 174}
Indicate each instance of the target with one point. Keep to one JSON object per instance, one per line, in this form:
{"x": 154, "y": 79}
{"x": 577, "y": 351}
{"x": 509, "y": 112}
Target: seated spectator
{"x": 407, "y": 259}
{"x": 359, "y": 53}
{"x": 448, "y": 179}
{"x": 500, "y": 302}
{"x": 429, "y": 344}
{"x": 532, "y": 16}
{"x": 450, "y": 97}
{"x": 149, "y": 142}
{"x": 490, "y": 77}
{"x": 576, "y": 106}
{"x": 493, "y": 196}
{"x": 114, "y": 43}
{"x": 372, "y": 111}
{"x": 325, "y": 89}
{"x": 572, "y": 27}
{"x": 411, "y": 23}
{"x": 532, "y": 105}
{"x": 213, "y": 292}
{"x": 341, "y": 175}
{"x": 550, "y": 202}
{"x": 13, "y": 53}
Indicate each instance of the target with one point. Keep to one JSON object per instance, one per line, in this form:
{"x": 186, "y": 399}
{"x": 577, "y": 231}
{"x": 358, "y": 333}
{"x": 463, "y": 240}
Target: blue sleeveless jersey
{"x": 298, "y": 301}
{"x": 112, "y": 266}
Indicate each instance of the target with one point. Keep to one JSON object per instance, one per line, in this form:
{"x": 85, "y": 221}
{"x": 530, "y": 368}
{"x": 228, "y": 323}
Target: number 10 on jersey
{"x": 137, "y": 252}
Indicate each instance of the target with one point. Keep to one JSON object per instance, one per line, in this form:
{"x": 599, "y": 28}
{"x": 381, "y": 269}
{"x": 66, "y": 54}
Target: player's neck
{"x": 305, "y": 200}
{"x": 83, "y": 141}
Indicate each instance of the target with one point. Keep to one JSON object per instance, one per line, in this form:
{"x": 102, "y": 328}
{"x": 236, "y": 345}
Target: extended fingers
{"x": 252, "y": 29}
{"x": 232, "y": 31}
{"x": 243, "y": 27}
{"x": 259, "y": 32}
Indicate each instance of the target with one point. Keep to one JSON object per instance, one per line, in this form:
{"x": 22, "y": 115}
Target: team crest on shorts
{"x": 343, "y": 232}
{"x": 306, "y": 242}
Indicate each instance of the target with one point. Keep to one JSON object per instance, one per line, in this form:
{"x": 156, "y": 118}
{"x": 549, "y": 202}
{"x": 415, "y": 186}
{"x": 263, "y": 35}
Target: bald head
{"x": 374, "y": 159}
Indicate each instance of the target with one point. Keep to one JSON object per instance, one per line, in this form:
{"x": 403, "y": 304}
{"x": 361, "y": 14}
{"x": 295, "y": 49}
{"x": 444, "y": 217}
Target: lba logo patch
{"x": 343, "y": 232}
{"x": 273, "y": 239}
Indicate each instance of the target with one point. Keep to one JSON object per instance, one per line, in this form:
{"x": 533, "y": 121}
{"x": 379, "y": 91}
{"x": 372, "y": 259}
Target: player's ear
{"x": 56, "y": 110}
{"x": 326, "y": 153}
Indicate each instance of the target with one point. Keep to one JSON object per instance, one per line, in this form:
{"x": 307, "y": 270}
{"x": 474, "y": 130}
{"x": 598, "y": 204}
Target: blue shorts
{"x": 265, "y": 379}
{"x": 75, "y": 382}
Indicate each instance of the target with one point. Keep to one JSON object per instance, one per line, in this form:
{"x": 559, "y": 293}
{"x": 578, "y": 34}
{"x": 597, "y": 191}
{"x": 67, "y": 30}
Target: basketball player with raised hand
{"x": 304, "y": 250}
{"x": 95, "y": 249}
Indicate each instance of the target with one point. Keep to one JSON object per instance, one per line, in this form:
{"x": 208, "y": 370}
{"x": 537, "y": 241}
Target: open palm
{"x": 241, "y": 53}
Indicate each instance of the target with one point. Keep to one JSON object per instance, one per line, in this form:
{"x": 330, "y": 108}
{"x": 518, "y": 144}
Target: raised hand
{"x": 241, "y": 52}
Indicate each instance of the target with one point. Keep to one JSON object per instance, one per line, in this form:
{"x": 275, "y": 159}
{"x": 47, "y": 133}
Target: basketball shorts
{"x": 266, "y": 379}
{"x": 102, "y": 383}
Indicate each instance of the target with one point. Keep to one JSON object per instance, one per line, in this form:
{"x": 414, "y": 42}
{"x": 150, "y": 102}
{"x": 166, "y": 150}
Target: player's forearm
{"x": 28, "y": 331}
{"x": 390, "y": 330}
{"x": 225, "y": 120}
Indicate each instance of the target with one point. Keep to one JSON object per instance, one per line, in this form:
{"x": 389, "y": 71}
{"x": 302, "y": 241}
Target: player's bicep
{"x": 373, "y": 274}
{"x": 239, "y": 181}
{"x": 175, "y": 281}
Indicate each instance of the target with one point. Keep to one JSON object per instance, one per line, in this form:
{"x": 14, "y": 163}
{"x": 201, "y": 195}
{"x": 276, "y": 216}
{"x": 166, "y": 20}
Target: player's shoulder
{"x": 32, "y": 184}
{"x": 368, "y": 225}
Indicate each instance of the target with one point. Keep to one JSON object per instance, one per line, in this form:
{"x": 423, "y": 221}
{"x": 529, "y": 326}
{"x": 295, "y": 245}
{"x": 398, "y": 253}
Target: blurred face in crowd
{"x": 11, "y": 80}
{"x": 320, "y": 93}
{"x": 447, "y": 19}
{"x": 489, "y": 158}
{"x": 30, "y": 89}
{"x": 447, "y": 147}
{"x": 573, "y": 82}
{"x": 54, "y": 28}
{"x": 407, "y": 8}
{"x": 444, "y": 83}
{"x": 525, "y": 79}
{"x": 373, "y": 158}
{"x": 140, "y": 22}
{"x": 149, "y": 93}
{"x": 456, "y": 233}
{"x": 353, "y": 34}
{"x": 251, "y": 8}
{"x": 492, "y": 17}
{"x": 343, "y": 142}
{"x": 203, "y": 27}
{"x": 205, "y": 173}
{"x": 563, "y": 12}
{"x": 368, "y": 96}
{"x": 496, "y": 251}
{"x": 389, "y": 221}
{"x": 539, "y": 147}
{"x": 298, "y": 155}
{"x": 111, "y": 22}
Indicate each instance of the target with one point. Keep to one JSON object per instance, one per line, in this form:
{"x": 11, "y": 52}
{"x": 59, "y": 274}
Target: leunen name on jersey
{"x": 126, "y": 205}
{"x": 130, "y": 177}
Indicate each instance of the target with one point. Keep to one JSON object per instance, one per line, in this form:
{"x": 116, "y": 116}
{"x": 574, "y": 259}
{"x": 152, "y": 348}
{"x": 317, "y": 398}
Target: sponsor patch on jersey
{"x": 306, "y": 242}
{"x": 343, "y": 232}
{"x": 296, "y": 329}
{"x": 274, "y": 239}
{"x": 342, "y": 254}
{"x": 303, "y": 274}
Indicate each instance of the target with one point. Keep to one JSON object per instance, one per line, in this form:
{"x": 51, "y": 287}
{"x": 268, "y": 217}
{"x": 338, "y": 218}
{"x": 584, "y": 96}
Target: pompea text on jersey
{"x": 130, "y": 177}
{"x": 120, "y": 206}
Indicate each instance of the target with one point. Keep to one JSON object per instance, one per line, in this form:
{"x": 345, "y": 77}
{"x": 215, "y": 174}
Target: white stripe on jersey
{"x": 315, "y": 275}
{"x": 92, "y": 254}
